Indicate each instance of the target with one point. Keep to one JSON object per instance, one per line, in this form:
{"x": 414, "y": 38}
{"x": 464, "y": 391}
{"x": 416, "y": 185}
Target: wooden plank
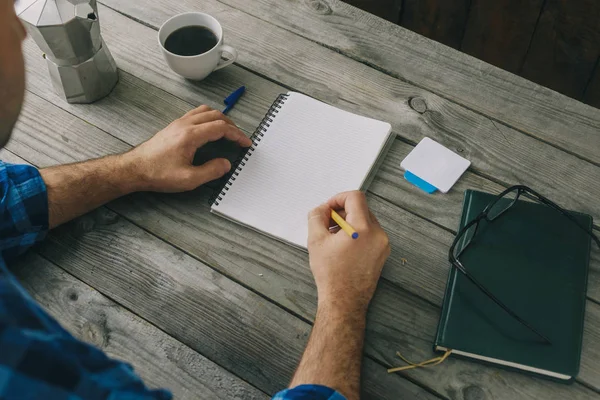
{"x": 499, "y": 32}
{"x": 190, "y": 301}
{"x": 195, "y": 304}
{"x": 592, "y": 91}
{"x": 160, "y": 360}
{"x": 249, "y": 255}
{"x": 271, "y": 268}
{"x": 39, "y": 154}
{"x": 386, "y": 9}
{"x": 533, "y": 109}
{"x": 565, "y": 46}
{"x": 134, "y": 105}
{"x": 495, "y": 149}
{"x": 276, "y": 270}
{"x": 35, "y": 134}
{"x": 137, "y": 112}
{"x": 152, "y": 290}
{"x": 8, "y": 157}
{"x": 440, "y": 20}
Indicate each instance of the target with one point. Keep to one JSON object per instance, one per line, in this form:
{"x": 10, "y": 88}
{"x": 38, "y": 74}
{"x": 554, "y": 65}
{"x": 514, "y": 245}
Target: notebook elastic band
{"x": 256, "y": 137}
{"x": 428, "y": 363}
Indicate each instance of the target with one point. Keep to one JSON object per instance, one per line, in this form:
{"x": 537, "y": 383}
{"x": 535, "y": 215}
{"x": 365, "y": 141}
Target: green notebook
{"x": 536, "y": 261}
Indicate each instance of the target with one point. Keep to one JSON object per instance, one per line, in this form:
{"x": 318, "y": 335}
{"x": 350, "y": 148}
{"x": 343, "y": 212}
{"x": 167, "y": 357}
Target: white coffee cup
{"x": 199, "y": 66}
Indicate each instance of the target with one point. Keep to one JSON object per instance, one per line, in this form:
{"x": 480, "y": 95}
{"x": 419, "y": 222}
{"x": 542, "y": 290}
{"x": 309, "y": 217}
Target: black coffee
{"x": 191, "y": 41}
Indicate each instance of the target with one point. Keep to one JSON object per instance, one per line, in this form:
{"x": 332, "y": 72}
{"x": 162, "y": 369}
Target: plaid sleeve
{"x": 23, "y": 209}
{"x": 309, "y": 392}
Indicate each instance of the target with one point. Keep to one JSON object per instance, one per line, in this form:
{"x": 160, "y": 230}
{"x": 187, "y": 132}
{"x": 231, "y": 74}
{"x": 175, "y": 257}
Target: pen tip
{"x": 355, "y": 235}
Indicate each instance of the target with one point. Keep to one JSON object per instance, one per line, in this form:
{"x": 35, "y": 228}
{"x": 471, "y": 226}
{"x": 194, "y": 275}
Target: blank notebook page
{"x": 309, "y": 152}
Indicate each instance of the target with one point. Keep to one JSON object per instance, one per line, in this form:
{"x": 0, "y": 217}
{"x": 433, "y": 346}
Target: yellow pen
{"x": 344, "y": 225}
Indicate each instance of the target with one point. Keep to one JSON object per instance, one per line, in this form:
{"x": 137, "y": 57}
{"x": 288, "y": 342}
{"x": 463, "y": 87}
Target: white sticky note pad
{"x": 435, "y": 164}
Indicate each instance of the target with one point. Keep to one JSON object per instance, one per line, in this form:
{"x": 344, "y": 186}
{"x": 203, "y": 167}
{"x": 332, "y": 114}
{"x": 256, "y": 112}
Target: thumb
{"x": 210, "y": 170}
{"x": 318, "y": 222}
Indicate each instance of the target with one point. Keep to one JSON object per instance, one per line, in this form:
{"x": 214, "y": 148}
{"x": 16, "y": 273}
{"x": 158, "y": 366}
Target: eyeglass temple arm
{"x": 463, "y": 270}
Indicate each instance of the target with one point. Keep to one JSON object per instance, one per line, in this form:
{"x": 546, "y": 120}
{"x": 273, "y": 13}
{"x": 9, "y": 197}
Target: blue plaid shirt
{"x": 38, "y": 358}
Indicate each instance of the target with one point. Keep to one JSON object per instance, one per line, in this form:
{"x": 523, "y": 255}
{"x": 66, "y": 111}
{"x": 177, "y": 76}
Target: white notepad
{"x": 435, "y": 164}
{"x": 305, "y": 152}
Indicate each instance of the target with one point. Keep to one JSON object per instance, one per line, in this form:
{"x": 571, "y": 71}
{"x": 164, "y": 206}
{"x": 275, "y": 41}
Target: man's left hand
{"x": 164, "y": 162}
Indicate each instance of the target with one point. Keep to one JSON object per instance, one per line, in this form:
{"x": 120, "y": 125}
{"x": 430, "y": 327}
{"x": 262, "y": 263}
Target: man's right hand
{"x": 346, "y": 270}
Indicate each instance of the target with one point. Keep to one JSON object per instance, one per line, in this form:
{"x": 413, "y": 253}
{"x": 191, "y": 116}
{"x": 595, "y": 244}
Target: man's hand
{"x": 164, "y": 163}
{"x": 346, "y": 270}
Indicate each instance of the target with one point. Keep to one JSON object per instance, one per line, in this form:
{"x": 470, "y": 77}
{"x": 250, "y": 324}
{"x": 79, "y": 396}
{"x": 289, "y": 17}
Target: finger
{"x": 333, "y": 224}
{"x": 209, "y": 171}
{"x": 197, "y": 110}
{"x": 342, "y": 213}
{"x": 355, "y": 205}
{"x": 215, "y": 130}
{"x": 318, "y": 222}
{"x": 209, "y": 116}
{"x": 334, "y": 229}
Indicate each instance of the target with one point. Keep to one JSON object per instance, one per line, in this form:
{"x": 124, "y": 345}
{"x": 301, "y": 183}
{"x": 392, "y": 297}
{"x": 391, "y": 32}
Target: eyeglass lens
{"x": 500, "y": 206}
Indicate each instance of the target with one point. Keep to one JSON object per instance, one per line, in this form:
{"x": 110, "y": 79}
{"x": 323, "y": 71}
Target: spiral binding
{"x": 256, "y": 137}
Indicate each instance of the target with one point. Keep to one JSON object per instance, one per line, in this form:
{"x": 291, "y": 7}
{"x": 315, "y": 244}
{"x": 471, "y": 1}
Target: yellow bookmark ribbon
{"x": 428, "y": 363}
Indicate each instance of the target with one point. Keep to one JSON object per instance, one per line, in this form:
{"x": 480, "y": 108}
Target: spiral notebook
{"x": 304, "y": 152}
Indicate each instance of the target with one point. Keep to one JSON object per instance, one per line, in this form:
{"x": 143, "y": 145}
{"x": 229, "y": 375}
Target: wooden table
{"x": 212, "y": 310}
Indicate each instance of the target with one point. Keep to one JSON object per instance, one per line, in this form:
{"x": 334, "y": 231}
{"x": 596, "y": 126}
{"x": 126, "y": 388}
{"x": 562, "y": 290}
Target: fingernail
{"x": 227, "y": 166}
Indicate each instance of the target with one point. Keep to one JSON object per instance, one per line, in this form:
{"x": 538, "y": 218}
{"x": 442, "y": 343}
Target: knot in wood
{"x": 319, "y": 6}
{"x": 106, "y": 217}
{"x": 418, "y": 104}
{"x": 96, "y": 332}
{"x": 83, "y": 225}
{"x": 72, "y": 295}
{"x": 473, "y": 393}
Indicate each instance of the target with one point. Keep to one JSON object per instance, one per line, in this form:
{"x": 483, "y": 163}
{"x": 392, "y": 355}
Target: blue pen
{"x": 233, "y": 98}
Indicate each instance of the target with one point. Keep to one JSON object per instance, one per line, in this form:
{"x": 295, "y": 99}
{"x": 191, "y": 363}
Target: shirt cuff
{"x": 23, "y": 208}
{"x": 309, "y": 392}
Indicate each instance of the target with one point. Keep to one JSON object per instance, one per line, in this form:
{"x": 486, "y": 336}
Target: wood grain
{"x": 8, "y": 157}
{"x": 568, "y": 34}
{"x": 276, "y": 270}
{"x": 488, "y": 90}
{"x": 181, "y": 296}
{"x": 440, "y": 20}
{"x": 499, "y": 32}
{"x": 36, "y": 134}
{"x": 271, "y": 268}
{"x": 495, "y": 149}
{"x": 127, "y": 107}
{"x": 83, "y": 250}
{"x": 286, "y": 279}
{"x": 248, "y": 335}
{"x": 160, "y": 360}
{"x": 396, "y": 318}
{"x": 43, "y": 155}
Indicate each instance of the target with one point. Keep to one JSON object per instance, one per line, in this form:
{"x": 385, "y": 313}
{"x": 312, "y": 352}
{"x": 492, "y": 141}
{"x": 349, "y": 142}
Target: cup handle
{"x": 232, "y": 52}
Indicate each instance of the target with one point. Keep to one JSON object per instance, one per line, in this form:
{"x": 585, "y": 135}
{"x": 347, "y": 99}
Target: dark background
{"x": 555, "y": 43}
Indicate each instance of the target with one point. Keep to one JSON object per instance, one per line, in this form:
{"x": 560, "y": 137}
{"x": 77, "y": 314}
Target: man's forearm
{"x": 333, "y": 355}
{"x": 75, "y": 189}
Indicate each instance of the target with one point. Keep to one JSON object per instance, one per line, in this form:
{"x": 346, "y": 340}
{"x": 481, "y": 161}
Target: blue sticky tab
{"x": 420, "y": 183}
{"x": 355, "y": 235}
{"x": 233, "y": 98}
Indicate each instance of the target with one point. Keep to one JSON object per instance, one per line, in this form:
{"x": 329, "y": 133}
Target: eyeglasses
{"x": 496, "y": 208}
